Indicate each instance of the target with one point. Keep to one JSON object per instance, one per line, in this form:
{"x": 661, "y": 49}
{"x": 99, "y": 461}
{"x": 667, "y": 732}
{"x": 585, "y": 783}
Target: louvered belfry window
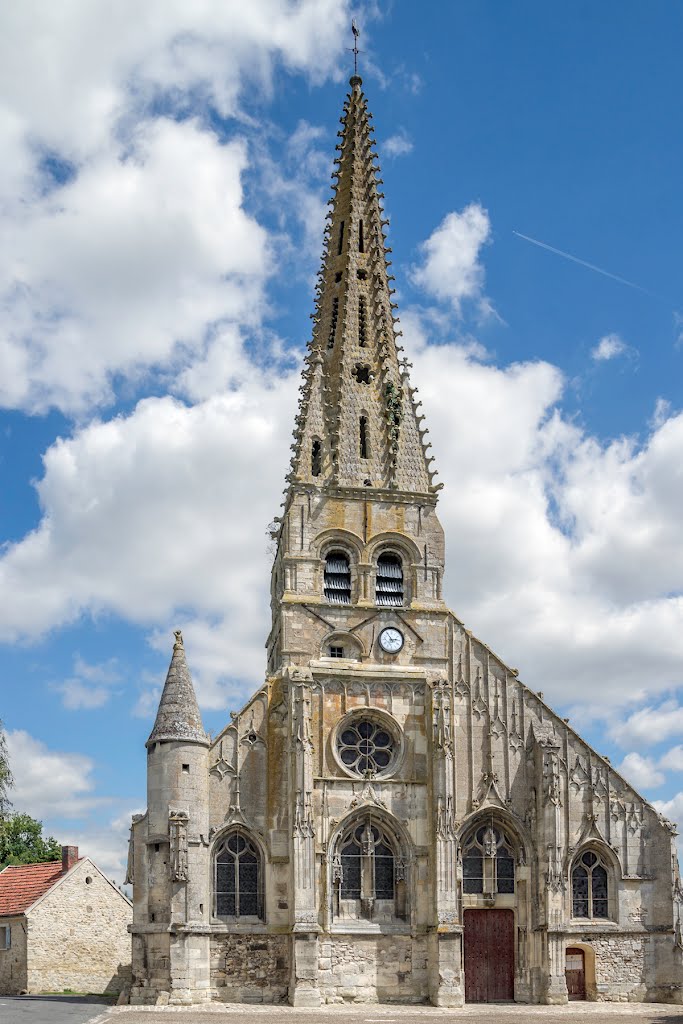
{"x": 337, "y": 578}
{"x": 389, "y": 583}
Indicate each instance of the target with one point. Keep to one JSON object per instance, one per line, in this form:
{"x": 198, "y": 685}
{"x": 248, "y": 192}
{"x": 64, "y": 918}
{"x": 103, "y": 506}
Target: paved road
{"x": 591, "y": 1013}
{"x": 80, "y": 1009}
{"x": 51, "y": 1009}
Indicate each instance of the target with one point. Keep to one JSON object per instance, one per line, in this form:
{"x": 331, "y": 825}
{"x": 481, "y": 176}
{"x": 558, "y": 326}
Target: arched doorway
{"x": 575, "y": 973}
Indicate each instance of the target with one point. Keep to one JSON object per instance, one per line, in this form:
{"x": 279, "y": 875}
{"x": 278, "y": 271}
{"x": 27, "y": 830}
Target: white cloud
{"x": 91, "y": 685}
{"x": 48, "y": 783}
{"x": 135, "y": 523}
{"x": 672, "y": 760}
{"x": 451, "y": 270}
{"x": 551, "y": 535}
{"x": 609, "y": 347}
{"x": 641, "y": 771}
{"x": 649, "y": 725}
{"x": 106, "y": 844}
{"x": 58, "y": 788}
{"x": 398, "y": 144}
{"x": 126, "y": 264}
{"x": 128, "y": 260}
{"x": 69, "y": 75}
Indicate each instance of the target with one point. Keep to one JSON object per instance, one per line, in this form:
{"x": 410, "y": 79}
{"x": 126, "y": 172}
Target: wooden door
{"x": 575, "y": 972}
{"x": 489, "y": 956}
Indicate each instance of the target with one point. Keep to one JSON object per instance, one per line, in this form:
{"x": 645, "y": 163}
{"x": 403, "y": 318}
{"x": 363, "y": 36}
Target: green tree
{"x": 5, "y": 776}
{"x": 22, "y": 841}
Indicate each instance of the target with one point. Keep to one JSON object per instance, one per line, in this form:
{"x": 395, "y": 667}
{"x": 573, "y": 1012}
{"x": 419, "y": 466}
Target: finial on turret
{"x": 356, "y": 80}
{"x": 178, "y": 639}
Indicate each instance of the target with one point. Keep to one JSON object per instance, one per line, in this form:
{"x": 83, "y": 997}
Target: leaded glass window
{"x": 237, "y": 882}
{"x": 366, "y": 870}
{"x": 365, "y": 747}
{"x": 589, "y": 887}
{"x": 488, "y": 862}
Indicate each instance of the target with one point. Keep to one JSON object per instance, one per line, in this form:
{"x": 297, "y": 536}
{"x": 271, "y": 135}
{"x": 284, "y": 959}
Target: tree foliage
{"x": 21, "y": 836}
{"x": 22, "y": 841}
{"x": 5, "y": 775}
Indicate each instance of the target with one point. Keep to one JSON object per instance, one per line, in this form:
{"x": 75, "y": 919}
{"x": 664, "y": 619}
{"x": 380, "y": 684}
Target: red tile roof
{"x": 22, "y": 884}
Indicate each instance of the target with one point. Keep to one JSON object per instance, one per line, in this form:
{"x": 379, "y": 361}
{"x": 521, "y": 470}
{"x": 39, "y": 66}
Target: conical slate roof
{"x": 178, "y": 717}
{"x": 358, "y": 424}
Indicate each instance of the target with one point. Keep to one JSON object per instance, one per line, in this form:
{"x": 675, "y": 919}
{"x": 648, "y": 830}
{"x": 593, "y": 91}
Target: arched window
{"x": 337, "y": 584}
{"x": 366, "y": 746}
{"x": 316, "y": 457}
{"x": 589, "y": 886}
{"x": 389, "y": 581}
{"x": 368, "y": 873}
{"x": 488, "y": 862}
{"x": 361, "y": 240}
{"x": 237, "y": 877}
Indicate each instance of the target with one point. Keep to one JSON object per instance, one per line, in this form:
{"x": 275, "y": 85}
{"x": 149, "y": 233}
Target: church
{"x": 394, "y": 816}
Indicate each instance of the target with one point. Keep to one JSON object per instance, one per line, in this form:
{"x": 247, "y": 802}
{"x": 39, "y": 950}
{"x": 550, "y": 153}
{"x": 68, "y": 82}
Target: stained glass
{"x": 580, "y": 892}
{"x": 384, "y": 872}
{"x": 237, "y": 878}
{"x": 473, "y": 871}
{"x": 350, "y": 886}
{"x": 505, "y": 871}
{"x": 599, "y": 887}
{"x": 365, "y": 747}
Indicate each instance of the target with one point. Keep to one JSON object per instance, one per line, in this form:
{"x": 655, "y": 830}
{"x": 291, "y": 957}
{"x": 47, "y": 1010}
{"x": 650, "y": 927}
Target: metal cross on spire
{"x": 355, "y": 50}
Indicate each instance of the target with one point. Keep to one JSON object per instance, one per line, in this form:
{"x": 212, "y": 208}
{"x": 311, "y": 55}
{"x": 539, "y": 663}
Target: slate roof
{"x": 178, "y": 717}
{"x": 22, "y": 884}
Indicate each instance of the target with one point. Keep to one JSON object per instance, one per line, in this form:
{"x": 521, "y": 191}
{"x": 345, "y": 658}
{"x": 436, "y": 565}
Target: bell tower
{"x": 356, "y": 590}
{"x": 360, "y": 472}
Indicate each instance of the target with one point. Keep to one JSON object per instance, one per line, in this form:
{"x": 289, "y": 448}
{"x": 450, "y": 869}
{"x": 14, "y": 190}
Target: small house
{"x": 63, "y": 925}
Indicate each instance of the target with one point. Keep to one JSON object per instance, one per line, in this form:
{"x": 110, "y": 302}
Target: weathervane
{"x": 355, "y": 51}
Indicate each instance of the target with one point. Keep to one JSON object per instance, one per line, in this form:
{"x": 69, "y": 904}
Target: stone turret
{"x": 178, "y": 716}
{"x": 172, "y": 906}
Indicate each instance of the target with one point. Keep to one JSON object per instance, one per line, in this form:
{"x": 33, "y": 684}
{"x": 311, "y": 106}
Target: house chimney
{"x": 69, "y": 857}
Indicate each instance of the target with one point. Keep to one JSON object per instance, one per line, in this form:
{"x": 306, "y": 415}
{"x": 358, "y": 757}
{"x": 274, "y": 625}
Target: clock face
{"x": 391, "y": 640}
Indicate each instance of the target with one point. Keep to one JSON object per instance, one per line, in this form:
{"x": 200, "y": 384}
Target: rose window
{"x": 365, "y": 747}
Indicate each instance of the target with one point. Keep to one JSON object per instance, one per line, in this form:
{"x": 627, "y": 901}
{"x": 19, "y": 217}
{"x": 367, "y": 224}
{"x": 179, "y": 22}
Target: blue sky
{"x": 162, "y": 196}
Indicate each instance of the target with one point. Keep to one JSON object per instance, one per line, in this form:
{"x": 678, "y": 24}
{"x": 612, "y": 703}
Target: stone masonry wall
{"x": 13, "y": 960}
{"x": 619, "y": 968}
{"x": 250, "y": 968}
{"x": 78, "y": 936}
{"x": 386, "y": 969}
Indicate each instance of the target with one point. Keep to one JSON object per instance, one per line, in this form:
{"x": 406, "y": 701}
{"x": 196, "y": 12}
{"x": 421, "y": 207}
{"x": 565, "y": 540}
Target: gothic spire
{"x": 357, "y": 424}
{"x": 178, "y": 716}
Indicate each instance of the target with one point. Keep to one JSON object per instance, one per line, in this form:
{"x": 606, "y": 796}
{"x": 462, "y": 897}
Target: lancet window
{"x": 316, "y": 457}
{"x": 238, "y": 877}
{"x": 389, "y": 581}
{"x": 363, "y": 442}
{"x": 488, "y": 862}
{"x": 590, "y": 886}
{"x": 337, "y": 582}
{"x": 368, "y": 873}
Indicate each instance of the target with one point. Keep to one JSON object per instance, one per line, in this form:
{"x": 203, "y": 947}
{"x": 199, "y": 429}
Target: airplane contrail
{"x": 584, "y": 263}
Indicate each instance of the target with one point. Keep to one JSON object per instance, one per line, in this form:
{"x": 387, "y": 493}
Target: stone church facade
{"x": 394, "y": 815}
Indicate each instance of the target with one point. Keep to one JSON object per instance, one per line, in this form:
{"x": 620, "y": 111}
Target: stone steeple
{"x": 358, "y": 424}
{"x": 178, "y": 716}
